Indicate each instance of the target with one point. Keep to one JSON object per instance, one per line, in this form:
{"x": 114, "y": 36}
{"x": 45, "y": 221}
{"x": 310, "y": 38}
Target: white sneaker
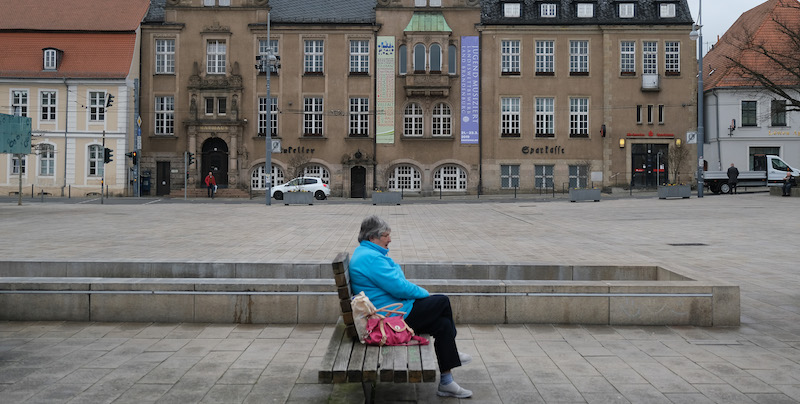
{"x": 453, "y": 390}
{"x": 465, "y": 358}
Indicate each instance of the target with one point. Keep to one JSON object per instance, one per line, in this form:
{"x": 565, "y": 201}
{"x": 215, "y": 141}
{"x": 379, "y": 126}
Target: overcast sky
{"x": 719, "y": 15}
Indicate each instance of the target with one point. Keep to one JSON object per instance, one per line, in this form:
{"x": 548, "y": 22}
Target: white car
{"x": 315, "y": 185}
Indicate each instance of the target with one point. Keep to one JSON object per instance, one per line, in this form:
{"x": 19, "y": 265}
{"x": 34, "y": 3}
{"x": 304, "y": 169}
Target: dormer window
{"x": 548, "y": 10}
{"x": 667, "y": 10}
{"x": 626, "y": 10}
{"x": 50, "y": 58}
{"x": 585, "y": 10}
{"x": 511, "y": 10}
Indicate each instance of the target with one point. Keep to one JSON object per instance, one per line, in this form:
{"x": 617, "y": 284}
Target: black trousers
{"x": 433, "y": 315}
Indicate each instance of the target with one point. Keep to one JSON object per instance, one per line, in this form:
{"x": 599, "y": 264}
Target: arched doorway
{"x": 358, "y": 182}
{"x": 215, "y": 160}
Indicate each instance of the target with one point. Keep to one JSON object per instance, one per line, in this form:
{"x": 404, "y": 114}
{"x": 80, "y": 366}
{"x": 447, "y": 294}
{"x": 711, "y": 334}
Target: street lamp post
{"x": 697, "y": 34}
{"x": 265, "y": 64}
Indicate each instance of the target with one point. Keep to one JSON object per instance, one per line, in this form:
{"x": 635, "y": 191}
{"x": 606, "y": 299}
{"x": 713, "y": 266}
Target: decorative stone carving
{"x": 193, "y": 107}
{"x": 232, "y": 82}
{"x": 217, "y": 28}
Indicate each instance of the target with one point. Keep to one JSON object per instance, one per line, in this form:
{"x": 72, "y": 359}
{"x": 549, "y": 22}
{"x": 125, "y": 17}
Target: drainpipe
{"x": 66, "y": 129}
{"x": 716, "y": 112}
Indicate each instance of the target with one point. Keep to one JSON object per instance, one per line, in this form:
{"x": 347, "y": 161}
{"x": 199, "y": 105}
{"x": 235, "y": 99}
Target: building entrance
{"x": 649, "y": 162}
{"x": 358, "y": 182}
{"x": 215, "y": 160}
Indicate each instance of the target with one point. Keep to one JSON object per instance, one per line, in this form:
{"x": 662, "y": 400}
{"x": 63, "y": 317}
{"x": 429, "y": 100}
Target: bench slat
{"x": 429, "y": 364}
{"x": 386, "y": 365}
{"x": 371, "y": 359}
{"x": 342, "y": 360}
{"x": 326, "y": 374}
{"x": 414, "y": 365}
{"x": 356, "y": 365}
{"x": 401, "y": 364}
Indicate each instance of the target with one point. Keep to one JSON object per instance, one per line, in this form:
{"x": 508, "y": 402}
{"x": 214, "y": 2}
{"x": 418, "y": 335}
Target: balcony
{"x": 651, "y": 82}
{"x": 427, "y": 85}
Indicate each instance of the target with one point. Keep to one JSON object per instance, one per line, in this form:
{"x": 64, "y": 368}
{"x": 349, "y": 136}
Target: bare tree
{"x": 676, "y": 160}
{"x": 297, "y": 163}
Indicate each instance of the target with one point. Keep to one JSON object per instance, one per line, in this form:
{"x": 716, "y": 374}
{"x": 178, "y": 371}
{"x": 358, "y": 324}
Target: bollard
{"x": 33, "y": 193}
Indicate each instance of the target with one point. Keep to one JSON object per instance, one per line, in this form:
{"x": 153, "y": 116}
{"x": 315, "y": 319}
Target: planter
{"x": 386, "y": 198}
{"x": 674, "y": 191}
{"x": 298, "y": 198}
{"x": 578, "y": 194}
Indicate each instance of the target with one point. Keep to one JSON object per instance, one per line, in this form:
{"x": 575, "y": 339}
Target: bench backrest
{"x": 341, "y": 276}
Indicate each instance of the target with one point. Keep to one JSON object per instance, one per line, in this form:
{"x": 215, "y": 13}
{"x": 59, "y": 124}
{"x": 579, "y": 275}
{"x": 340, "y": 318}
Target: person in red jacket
{"x": 211, "y": 184}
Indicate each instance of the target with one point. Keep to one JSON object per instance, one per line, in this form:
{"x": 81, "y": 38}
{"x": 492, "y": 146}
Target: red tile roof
{"x": 86, "y": 55}
{"x": 758, "y": 27}
{"x": 72, "y": 15}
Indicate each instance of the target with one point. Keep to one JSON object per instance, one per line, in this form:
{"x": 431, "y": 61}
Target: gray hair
{"x": 373, "y": 227}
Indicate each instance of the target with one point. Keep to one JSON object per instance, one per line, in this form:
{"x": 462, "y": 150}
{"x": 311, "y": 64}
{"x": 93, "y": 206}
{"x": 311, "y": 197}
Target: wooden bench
{"x": 349, "y": 361}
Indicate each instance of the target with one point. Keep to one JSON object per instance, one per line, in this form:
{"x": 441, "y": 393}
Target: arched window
{"x": 258, "y": 179}
{"x": 405, "y": 177}
{"x": 318, "y": 171}
{"x": 452, "y": 66}
{"x": 412, "y": 120}
{"x": 402, "y": 59}
{"x": 442, "y": 121}
{"x": 419, "y": 58}
{"x": 47, "y": 160}
{"x": 436, "y": 58}
{"x": 95, "y": 160}
{"x": 450, "y": 178}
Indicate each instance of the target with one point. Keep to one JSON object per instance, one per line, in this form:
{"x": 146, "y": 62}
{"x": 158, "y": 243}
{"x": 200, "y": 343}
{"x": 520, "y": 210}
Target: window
{"x": 18, "y": 165}
{"x": 450, "y": 178}
{"x": 667, "y": 10}
{"x": 509, "y": 176}
{"x": 165, "y": 115}
{"x": 359, "y": 117}
{"x": 222, "y": 106}
{"x": 97, "y": 106}
{"x": 47, "y": 160}
{"x": 509, "y": 116}
{"x": 209, "y": 105}
{"x": 405, "y": 177}
{"x": 258, "y": 178}
{"x": 650, "y": 57}
{"x": 262, "y": 116}
{"x": 545, "y": 116}
{"x": 402, "y": 59}
{"x": 50, "y": 59}
{"x": 544, "y": 58}
{"x": 757, "y": 160}
{"x": 359, "y": 56}
{"x": 509, "y": 57}
{"x": 221, "y": 3}
{"x": 95, "y": 160}
{"x": 165, "y": 56}
{"x": 585, "y": 10}
{"x": 452, "y": 57}
{"x": 420, "y": 3}
{"x": 436, "y": 58}
{"x": 313, "y": 55}
{"x": 578, "y": 58}
{"x": 19, "y": 102}
{"x": 317, "y": 171}
{"x": 639, "y": 114}
{"x": 216, "y": 57}
{"x": 626, "y": 10}
{"x": 264, "y": 49}
{"x": 778, "y": 112}
{"x": 543, "y": 176}
{"x": 672, "y": 58}
{"x": 660, "y": 114}
{"x": 749, "y": 109}
{"x": 48, "y": 105}
{"x": 419, "y": 58}
{"x": 578, "y": 176}
{"x": 436, "y": 3}
{"x": 442, "y": 121}
{"x": 579, "y": 117}
{"x": 548, "y": 10}
{"x": 412, "y": 120}
{"x": 627, "y": 58}
{"x": 511, "y": 10}
{"x": 649, "y": 114}
{"x": 312, "y": 116}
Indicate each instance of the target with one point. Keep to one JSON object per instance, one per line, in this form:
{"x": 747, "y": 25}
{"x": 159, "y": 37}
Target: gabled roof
{"x": 759, "y": 26}
{"x": 72, "y": 15}
{"x": 606, "y": 12}
{"x": 322, "y": 11}
{"x": 86, "y": 55}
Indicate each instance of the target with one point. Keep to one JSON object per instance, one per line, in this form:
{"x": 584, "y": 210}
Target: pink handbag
{"x": 392, "y": 330}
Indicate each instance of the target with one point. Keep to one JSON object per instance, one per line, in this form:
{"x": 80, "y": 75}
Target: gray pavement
{"x": 750, "y": 240}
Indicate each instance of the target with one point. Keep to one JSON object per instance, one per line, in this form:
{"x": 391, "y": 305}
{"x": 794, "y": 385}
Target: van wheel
{"x": 725, "y": 188}
{"x": 714, "y": 187}
{"x": 278, "y": 195}
{"x": 319, "y": 195}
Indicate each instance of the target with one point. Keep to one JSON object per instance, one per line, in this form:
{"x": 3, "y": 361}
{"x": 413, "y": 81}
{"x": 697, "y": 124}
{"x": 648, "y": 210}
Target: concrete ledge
{"x": 778, "y": 191}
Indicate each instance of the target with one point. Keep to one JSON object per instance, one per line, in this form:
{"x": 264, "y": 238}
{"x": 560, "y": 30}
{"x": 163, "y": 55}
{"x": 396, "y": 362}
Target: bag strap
{"x": 392, "y": 308}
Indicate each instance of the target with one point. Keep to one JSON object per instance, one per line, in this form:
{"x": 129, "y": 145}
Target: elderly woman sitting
{"x": 383, "y": 281}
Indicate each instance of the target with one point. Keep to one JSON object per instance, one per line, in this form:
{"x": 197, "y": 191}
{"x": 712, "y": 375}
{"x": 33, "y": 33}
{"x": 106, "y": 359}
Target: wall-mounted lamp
{"x": 603, "y": 130}
{"x": 678, "y": 143}
{"x": 732, "y": 127}
{"x": 622, "y": 143}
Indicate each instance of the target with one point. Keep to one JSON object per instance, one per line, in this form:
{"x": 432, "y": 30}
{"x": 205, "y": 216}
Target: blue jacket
{"x": 381, "y": 279}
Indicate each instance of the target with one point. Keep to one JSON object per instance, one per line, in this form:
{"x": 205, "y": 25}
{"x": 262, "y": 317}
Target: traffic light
{"x": 191, "y": 158}
{"x": 109, "y": 101}
{"x": 107, "y": 155}
{"x": 133, "y": 156}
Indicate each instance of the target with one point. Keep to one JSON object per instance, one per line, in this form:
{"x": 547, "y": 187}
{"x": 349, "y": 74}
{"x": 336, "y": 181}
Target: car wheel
{"x": 714, "y": 187}
{"x": 278, "y": 195}
{"x": 725, "y": 188}
{"x": 319, "y": 195}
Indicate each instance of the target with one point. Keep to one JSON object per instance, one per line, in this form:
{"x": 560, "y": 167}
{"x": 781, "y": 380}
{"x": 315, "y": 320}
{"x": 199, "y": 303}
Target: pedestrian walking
{"x": 211, "y": 184}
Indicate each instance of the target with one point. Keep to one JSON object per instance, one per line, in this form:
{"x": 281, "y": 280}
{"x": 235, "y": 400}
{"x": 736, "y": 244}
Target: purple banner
{"x": 470, "y": 89}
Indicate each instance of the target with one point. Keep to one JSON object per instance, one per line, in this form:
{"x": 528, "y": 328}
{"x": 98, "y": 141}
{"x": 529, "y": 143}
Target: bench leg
{"x": 369, "y": 391}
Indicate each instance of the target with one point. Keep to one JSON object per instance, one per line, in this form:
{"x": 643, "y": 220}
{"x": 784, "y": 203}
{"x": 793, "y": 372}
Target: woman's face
{"x": 383, "y": 240}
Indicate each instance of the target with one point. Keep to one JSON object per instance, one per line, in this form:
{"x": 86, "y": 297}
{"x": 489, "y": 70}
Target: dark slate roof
{"x": 646, "y": 12}
{"x": 323, "y": 11}
{"x": 156, "y": 12}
